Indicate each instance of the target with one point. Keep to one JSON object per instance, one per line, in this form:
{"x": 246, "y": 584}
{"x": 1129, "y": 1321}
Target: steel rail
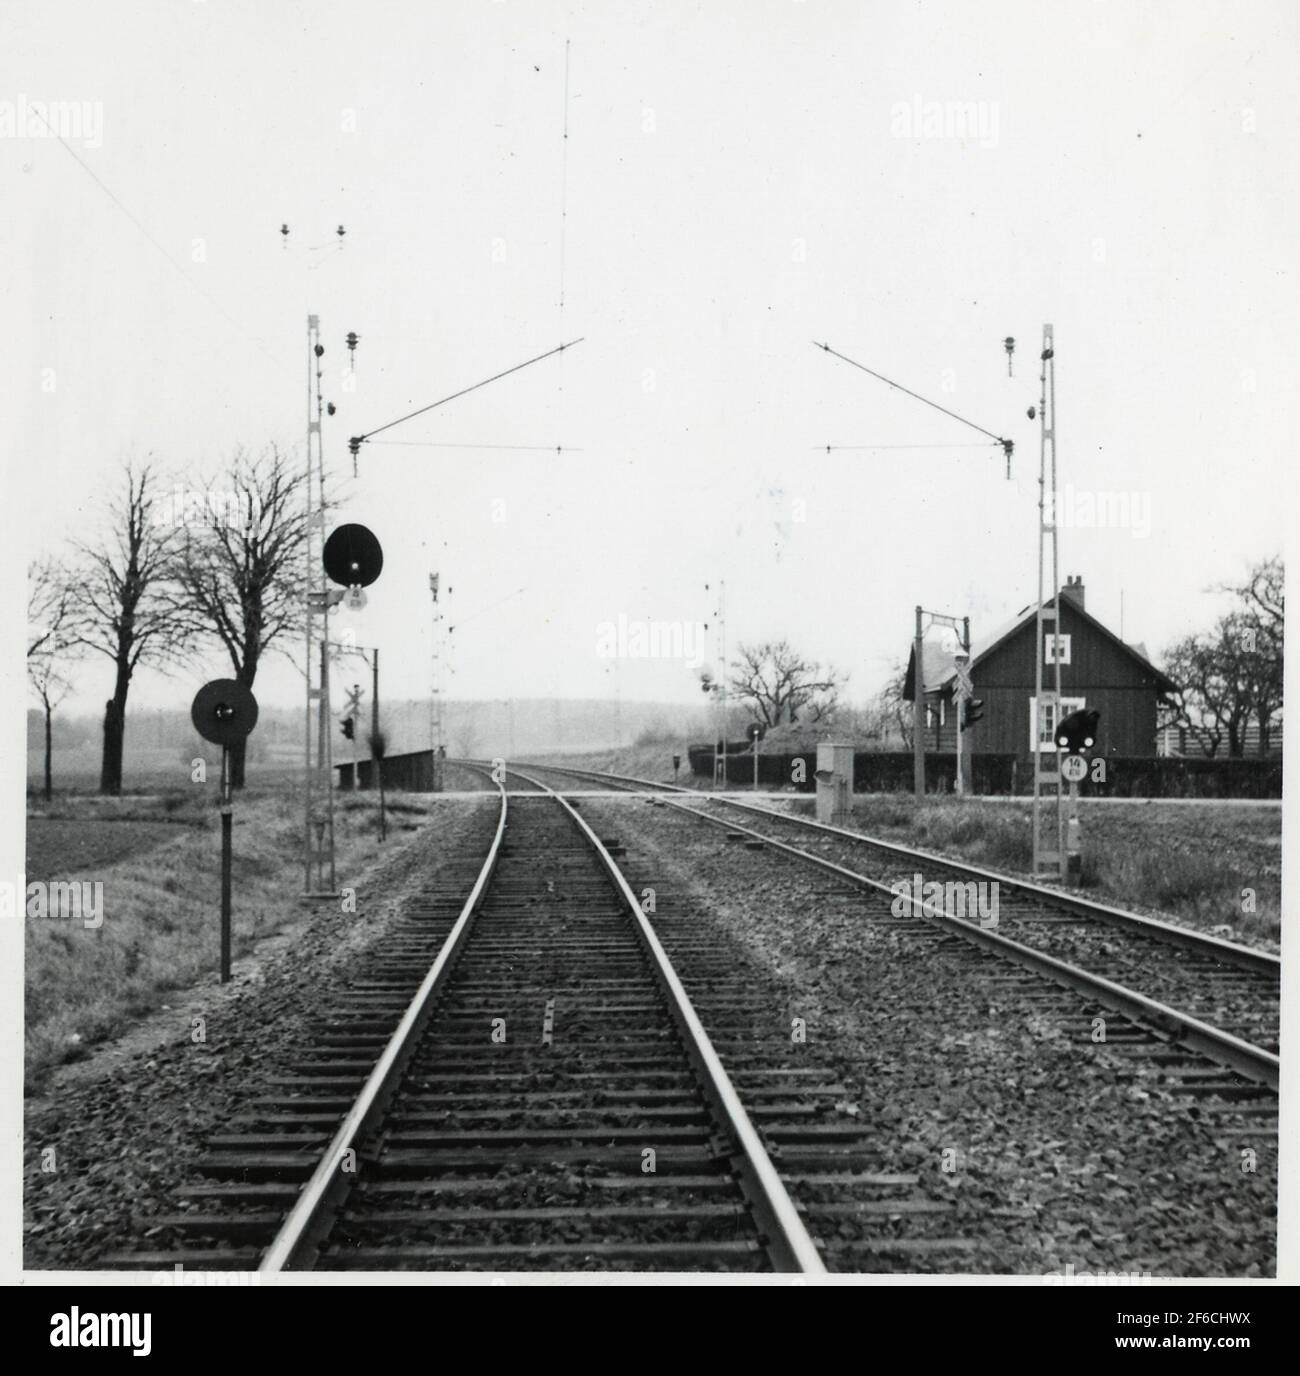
{"x": 297, "y": 1243}
{"x": 788, "y": 1242}
{"x": 1230, "y": 952}
{"x": 1254, "y": 1062}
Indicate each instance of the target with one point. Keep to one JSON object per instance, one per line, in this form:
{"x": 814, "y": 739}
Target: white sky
{"x": 735, "y": 190}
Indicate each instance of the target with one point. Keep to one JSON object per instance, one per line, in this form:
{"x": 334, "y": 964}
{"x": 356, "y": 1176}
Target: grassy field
{"x": 1191, "y": 862}
{"x": 158, "y": 858}
{"x": 1187, "y": 861}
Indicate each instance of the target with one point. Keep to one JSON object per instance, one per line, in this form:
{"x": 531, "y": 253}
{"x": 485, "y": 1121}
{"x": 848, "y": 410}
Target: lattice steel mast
{"x": 1049, "y": 824}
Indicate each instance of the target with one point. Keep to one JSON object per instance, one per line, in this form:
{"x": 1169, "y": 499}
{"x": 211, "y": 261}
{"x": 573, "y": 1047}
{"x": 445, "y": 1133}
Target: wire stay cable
{"x": 144, "y": 230}
{"x": 357, "y": 440}
{"x": 908, "y": 391}
{"x": 829, "y": 448}
{"x": 564, "y": 178}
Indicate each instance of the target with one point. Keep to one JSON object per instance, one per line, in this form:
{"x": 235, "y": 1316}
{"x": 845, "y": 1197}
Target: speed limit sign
{"x": 1074, "y": 768}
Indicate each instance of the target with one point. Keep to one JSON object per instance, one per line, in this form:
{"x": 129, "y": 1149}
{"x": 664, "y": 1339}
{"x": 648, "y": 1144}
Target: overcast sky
{"x": 741, "y": 180}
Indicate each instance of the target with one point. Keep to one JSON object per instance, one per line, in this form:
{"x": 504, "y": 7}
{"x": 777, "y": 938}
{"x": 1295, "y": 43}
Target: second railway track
{"x": 1225, "y": 999}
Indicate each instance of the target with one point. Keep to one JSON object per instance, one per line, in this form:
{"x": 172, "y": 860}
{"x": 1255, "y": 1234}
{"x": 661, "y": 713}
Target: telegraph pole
{"x": 918, "y": 712}
{"x": 722, "y": 680}
{"x": 374, "y": 710}
{"x": 962, "y": 686}
{"x": 435, "y": 694}
{"x": 959, "y": 702}
{"x": 961, "y": 693}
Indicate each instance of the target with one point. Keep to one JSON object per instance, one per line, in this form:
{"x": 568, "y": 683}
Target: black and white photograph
{"x": 654, "y": 643}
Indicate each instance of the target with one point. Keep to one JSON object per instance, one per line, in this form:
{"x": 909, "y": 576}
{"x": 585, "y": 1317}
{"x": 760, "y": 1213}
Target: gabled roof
{"x": 938, "y": 669}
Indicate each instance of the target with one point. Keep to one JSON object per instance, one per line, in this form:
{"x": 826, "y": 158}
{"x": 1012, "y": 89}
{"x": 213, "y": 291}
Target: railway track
{"x": 1151, "y": 1052}
{"x": 1218, "y": 999}
{"x": 533, "y": 1074}
{"x": 547, "y": 1098}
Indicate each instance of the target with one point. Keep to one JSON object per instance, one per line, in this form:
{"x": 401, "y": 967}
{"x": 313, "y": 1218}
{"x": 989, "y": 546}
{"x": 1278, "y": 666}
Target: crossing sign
{"x": 965, "y": 688}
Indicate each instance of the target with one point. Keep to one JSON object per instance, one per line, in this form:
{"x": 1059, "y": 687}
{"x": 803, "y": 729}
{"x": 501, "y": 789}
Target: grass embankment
{"x": 159, "y": 860}
{"x": 1187, "y": 861}
{"x": 653, "y": 762}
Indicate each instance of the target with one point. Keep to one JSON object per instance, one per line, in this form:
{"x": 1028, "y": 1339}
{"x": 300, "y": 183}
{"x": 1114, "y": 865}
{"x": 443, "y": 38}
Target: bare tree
{"x": 781, "y": 684}
{"x": 242, "y": 565}
{"x": 1261, "y": 620}
{"x": 49, "y": 642}
{"x": 1233, "y": 675}
{"x": 49, "y": 601}
{"x": 124, "y": 602}
{"x": 1181, "y": 707}
{"x": 1264, "y": 595}
{"x": 466, "y": 733}
{"x": 1214, "y": 701}
{"x": 894, "y": 708}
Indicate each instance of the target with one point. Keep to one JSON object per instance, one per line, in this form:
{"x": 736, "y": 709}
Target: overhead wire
{"x": 908, "y": 392}
{"x": 448, "y": 444}
{"x": 144, "y": 230}
{"x": 464, "y": 391}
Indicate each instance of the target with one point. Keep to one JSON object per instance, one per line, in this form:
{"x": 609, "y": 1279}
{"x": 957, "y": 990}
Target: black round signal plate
{"x": 353, "y": 556}
{"x": 224, "y": 711}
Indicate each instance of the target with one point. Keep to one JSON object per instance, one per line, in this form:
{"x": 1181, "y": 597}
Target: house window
{"x": 1042, "y": 729}
{"x": 1056, "y": 649}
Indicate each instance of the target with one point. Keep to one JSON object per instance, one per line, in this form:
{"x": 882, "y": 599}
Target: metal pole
{"x": 1056, "y": 595}
{"x": 325, "y": 757}
{"x": 356, "y": 727}
{"x": 1049, "y": 860}
{"x": 918, "y": 715}
{"x": 435, "y": 694}
{"x": 328, "y": 765}
{"x": 961, "y": 751}
{"x": 319, "y": 777}
{"x": 1036, "y": 730}
{"x": 374, "y": 703}
{"x": 226, "y": 824}
{"x": 959, "y": 700}
{"x": 722, "y": 682}
{"x": 308, "y": 584}
{"x": 714, "y": 712}
{"x": 756, "y": 744}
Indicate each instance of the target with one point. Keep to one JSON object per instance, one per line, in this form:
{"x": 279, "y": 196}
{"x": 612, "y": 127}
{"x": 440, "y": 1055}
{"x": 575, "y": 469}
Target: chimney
{"x": 1073, "y": 589}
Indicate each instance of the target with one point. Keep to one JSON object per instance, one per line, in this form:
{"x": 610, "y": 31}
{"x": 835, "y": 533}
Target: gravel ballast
{"x": 1068, "y": 1152}
{"x": 115, "y": 1134}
